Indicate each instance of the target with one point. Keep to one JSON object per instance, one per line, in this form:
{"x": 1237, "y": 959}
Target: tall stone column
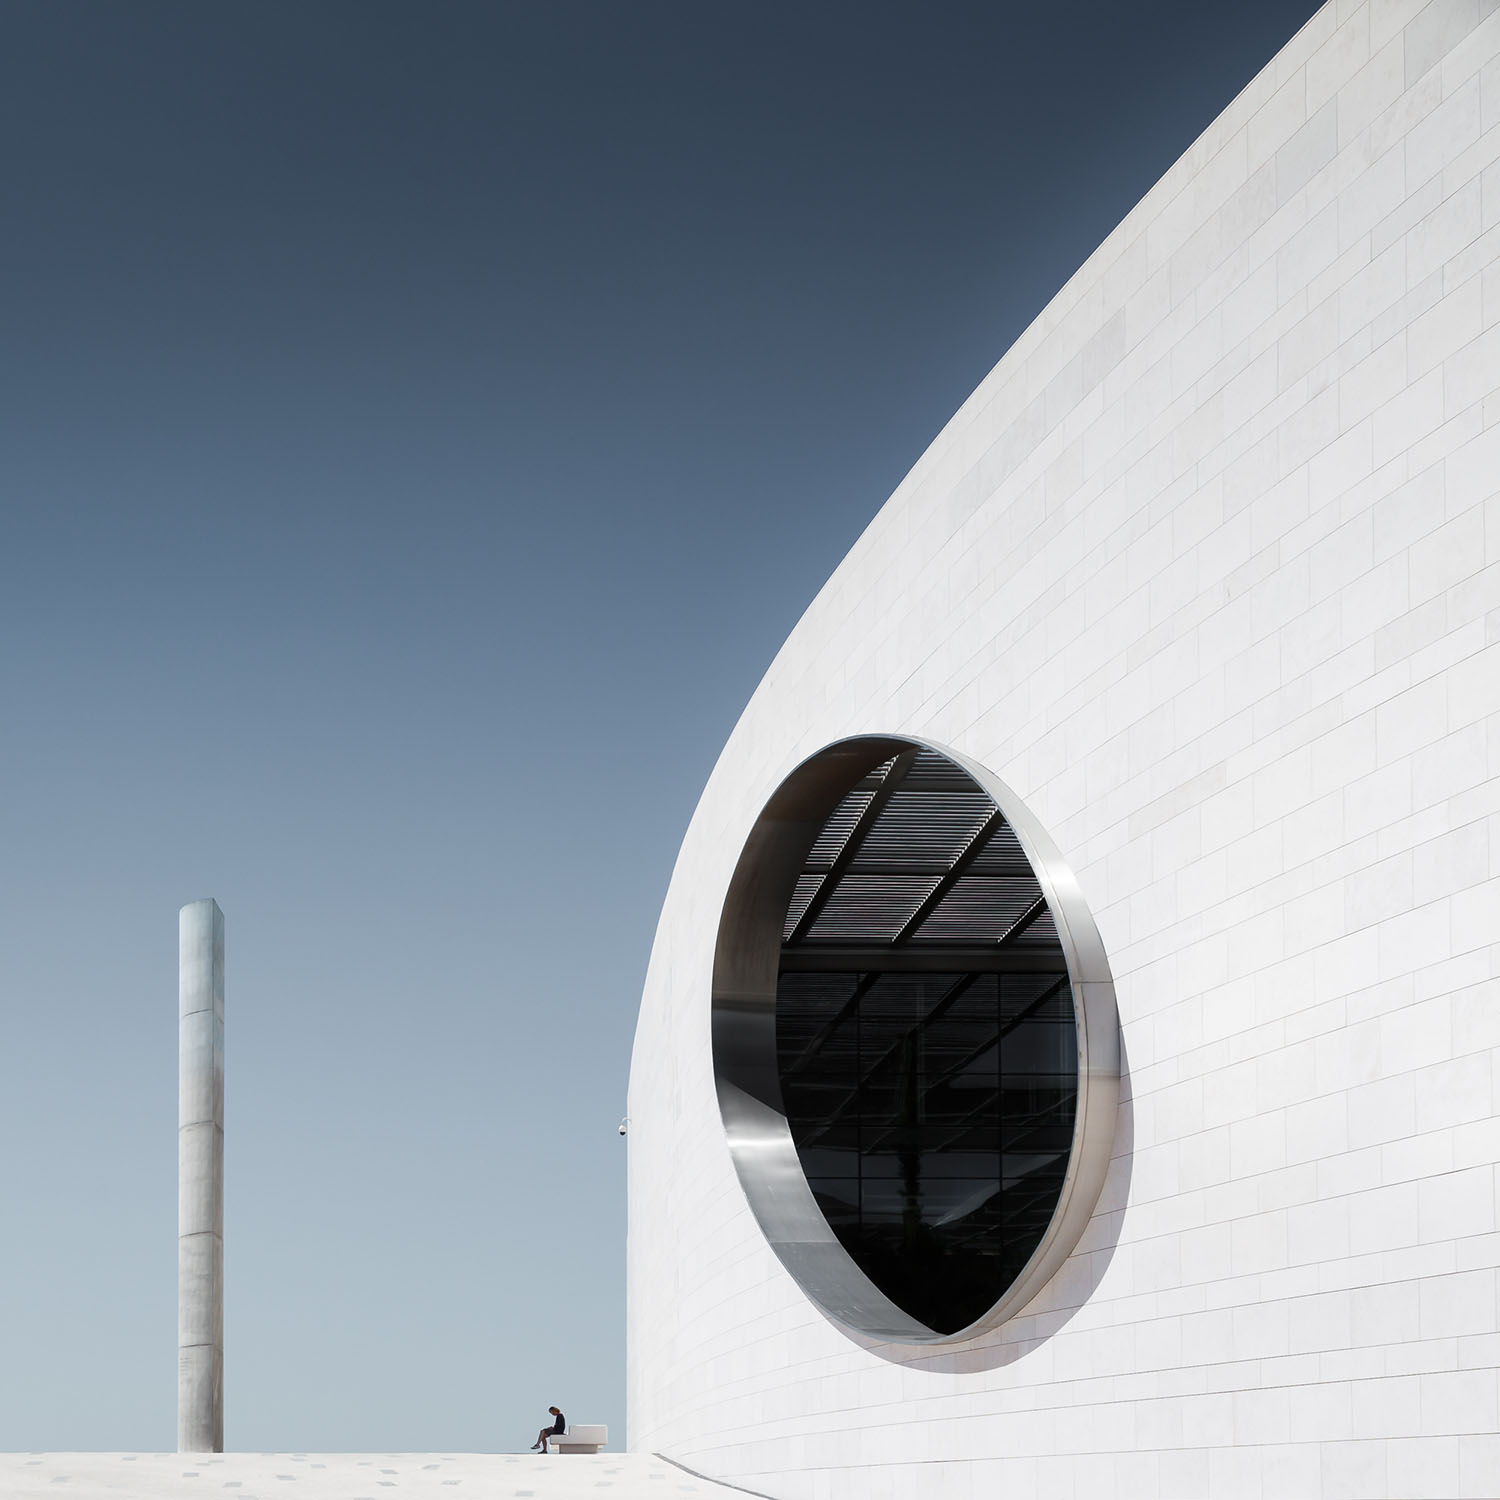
{"x": 200, "y": 1179}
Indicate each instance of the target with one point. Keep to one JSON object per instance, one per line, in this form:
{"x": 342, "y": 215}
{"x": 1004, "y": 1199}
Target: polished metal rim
{"x": 746, "y": 961}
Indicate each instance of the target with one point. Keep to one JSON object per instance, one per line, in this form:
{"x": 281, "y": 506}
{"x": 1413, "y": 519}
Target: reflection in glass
{"x": 926, "y": 1040}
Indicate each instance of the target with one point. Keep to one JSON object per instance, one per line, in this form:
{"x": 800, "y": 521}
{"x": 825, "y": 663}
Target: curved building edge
{"x": 1208, "y": 571}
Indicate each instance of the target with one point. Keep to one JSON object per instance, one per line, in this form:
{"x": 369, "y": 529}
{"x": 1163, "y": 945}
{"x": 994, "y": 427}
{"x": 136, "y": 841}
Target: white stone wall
{"x": 1208, "y": 571}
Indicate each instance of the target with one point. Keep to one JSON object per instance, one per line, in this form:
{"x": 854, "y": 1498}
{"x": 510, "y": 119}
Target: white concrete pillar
{"x": 200, "y": 1178}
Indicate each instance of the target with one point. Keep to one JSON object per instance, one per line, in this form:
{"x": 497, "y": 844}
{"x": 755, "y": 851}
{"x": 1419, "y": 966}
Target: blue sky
{"x": 419, "y": 427}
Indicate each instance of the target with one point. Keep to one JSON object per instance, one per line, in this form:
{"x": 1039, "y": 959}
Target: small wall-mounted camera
{"x": 625, "y": 1125}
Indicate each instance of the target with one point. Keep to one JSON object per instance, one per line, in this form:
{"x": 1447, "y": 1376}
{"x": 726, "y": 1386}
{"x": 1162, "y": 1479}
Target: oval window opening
{"x": 897, "y": 1041}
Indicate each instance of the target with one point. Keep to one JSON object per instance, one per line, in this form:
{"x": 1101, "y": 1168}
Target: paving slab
{"x": 350, "y": 1476}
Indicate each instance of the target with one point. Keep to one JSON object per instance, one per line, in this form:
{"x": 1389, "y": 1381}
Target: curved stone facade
{"x": 1208, "y": 571}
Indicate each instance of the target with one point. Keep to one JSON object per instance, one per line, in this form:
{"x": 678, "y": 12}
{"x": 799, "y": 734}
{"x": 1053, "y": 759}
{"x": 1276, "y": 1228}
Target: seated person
{"x": 558, "y": 1427}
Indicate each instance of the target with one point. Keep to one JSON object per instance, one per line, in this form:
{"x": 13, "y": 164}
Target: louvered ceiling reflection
{"x": 917, "y": 857}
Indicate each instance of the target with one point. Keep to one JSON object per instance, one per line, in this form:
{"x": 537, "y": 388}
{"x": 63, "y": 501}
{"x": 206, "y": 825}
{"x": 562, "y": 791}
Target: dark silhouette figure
{"x": 558, "y": 1427}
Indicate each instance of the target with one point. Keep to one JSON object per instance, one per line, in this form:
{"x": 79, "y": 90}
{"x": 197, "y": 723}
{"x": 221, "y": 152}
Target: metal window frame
{"x": 747, "y": 957}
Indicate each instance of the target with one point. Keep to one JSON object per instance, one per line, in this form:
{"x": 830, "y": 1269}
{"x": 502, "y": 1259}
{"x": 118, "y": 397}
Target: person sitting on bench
{"x": 558, "y": 1427}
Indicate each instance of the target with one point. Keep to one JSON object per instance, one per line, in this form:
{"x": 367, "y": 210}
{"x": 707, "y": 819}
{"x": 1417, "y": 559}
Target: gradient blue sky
{"x": 420, "y": 424}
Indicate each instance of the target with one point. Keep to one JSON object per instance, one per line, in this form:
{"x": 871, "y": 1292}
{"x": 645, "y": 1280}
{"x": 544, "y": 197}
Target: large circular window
{"x": 915, "y": 1042}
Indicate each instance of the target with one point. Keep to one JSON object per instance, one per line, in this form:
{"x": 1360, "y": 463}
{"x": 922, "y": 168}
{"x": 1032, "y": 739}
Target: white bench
{"x": 580, "y": 1438}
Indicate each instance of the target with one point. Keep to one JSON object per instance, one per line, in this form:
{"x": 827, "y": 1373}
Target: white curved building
{"x": 1201, "y": 590}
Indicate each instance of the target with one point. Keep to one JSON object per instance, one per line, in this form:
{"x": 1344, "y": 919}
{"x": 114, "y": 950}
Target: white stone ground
{"x": 349, "y": 1476}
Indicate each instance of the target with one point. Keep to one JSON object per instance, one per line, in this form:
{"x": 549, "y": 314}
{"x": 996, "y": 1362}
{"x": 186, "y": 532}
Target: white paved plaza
{"x": 348, "y": 1476}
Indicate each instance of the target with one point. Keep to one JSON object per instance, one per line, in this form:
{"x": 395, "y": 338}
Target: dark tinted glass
{"x": 926, "y": 1040}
